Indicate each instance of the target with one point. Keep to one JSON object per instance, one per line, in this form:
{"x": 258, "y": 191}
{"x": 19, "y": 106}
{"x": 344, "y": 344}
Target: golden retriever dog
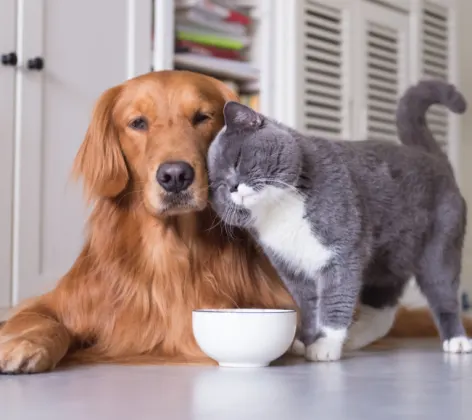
{"x": 154, "y": 250}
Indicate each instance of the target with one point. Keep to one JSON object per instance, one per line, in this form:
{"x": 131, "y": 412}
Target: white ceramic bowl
{"x": 244, "y": 337}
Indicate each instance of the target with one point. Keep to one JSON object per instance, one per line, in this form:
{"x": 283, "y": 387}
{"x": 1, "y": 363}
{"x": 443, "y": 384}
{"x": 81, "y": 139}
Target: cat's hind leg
{"x": 371, "y": 325}
{"x": 297, "y": 348}
{"x": 376, "y": 310}
{"x": 438, "y": 279}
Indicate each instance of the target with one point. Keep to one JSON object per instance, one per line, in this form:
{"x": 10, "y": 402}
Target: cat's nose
{"x": 233, "y": 188}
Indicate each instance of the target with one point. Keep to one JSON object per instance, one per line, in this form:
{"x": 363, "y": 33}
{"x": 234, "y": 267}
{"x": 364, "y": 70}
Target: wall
{"x": 465, "y": 163}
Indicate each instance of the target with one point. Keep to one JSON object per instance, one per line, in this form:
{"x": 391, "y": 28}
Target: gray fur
{"x": 387, "y": 211}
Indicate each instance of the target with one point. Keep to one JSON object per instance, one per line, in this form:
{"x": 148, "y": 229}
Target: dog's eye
{"x": 199, "y": 117}
{"x": 139, "y": 124}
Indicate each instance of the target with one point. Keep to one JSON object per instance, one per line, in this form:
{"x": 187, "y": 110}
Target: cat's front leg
{"x": 338, "y": 290}
{"x": 308, "y": 331}
{"x": 293, "y": 286}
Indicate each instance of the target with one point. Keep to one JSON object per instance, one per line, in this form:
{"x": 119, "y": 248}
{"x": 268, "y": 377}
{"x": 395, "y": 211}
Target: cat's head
{"x": 251, "y": 159}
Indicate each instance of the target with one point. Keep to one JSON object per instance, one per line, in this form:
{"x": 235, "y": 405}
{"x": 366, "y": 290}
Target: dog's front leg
{"x": 33, "y": 340}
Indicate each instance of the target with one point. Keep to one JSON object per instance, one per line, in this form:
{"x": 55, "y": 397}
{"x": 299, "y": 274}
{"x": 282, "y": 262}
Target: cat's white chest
{"x": 281, "y": 225}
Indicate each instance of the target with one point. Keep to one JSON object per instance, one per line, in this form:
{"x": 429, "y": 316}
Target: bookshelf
{"x": 218, "y": 38}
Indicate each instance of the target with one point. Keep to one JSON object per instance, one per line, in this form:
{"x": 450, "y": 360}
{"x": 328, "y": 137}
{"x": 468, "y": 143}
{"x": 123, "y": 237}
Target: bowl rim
{"x": 251, "y": 311}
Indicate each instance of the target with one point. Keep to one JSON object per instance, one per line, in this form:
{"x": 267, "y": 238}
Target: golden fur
{"x": 418, "y": 323}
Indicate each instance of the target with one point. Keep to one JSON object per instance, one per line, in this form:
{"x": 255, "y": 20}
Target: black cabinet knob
{"x": 9, "y": 59}
{"x": 36, "y": 63}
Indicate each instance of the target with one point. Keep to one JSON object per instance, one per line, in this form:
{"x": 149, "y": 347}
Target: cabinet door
{"x": 314, "y": 66}
{"x": 87, "y": 46}
{"x": 382, "y": 72}
{"x": 7, "y": 109}
{"x": 436, "y": 58}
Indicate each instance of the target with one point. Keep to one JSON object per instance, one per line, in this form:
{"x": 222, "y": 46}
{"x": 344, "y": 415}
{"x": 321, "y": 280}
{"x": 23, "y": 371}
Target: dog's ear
{"x": 100, "y": 161}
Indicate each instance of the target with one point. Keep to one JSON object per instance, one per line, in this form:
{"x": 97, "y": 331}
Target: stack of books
{"x": 213, "y": 38}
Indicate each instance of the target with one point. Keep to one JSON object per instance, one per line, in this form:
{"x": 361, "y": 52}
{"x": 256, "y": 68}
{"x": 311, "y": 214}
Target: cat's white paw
{"x": 324, "y": 350}
{"x": 297, "y": 348}
{"x": 328, "y": 348}
{"x": 457, "y": 345}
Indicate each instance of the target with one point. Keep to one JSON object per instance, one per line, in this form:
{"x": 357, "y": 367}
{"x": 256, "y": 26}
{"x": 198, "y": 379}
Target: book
{"x": 182, "y": 46}
{"x": 205, "y": 20}
{"x": 219, "y": 67}
{"x": 189, "y": 33}
{"x": 223, "y": 12}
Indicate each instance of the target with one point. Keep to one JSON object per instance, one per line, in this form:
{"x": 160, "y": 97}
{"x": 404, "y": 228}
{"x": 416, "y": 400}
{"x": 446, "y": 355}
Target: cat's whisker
{"x": 227, "y": 226}
{"x": 232, "y": 220}
{"x": 217, "y": 221}
{"x": 285, "y": 184}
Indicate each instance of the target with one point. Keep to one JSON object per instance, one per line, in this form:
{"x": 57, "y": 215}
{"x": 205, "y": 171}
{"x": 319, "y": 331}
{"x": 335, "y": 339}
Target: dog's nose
{"x": 175, "y": 177}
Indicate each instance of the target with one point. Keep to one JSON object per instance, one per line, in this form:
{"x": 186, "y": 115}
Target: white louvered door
{"x": 435, "y": 63}
{"x": 353, "y": 59}
{"x": 326, "y": 68}
{"x": 382, "y": 70}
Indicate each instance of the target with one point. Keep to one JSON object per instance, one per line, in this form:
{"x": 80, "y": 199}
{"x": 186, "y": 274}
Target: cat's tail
{"x": 411, "y": 112}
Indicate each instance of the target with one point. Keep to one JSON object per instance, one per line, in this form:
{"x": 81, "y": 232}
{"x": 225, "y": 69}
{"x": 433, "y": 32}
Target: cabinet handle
{"x": 10, "y": 59}
{"x": 36, "y": 63}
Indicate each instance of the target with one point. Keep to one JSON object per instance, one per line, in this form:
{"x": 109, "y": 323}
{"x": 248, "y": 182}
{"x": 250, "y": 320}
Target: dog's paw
{"x": 19, "y": 355}
{"x": 297, "y": 348}
{"x": 457, "y": 345}
{"x": 325, "y": 349}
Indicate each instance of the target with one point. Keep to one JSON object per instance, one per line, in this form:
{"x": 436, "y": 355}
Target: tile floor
{"x": 404, "y": 380}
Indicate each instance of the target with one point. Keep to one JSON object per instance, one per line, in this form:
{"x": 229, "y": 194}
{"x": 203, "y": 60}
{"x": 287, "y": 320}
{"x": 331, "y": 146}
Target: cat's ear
{"x": 239, "y": 115}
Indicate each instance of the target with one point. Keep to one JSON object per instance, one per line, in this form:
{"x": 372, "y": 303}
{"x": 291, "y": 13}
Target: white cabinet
{"x": 86, "y": 47}
{"x": 439, "y": 59}
{"x": 342, "y": 64}
{"x": 382, "y": 70}
{"x": 327, "y": 68}
{"x": 7, "y": 110}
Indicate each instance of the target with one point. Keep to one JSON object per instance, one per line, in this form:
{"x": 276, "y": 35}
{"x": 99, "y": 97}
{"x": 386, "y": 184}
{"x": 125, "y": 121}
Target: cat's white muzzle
{"x": 244, "y": 196}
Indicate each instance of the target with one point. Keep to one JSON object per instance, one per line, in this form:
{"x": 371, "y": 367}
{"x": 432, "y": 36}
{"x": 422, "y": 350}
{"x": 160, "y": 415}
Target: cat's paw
{"x": 324, "y": 350}
{"x": 458, "y": 345}
{"x": 328, "y": 348}
{"x": 297, "y": 348}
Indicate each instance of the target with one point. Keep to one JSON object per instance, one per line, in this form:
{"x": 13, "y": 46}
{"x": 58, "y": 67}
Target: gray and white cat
{"x": 347, "y": 221}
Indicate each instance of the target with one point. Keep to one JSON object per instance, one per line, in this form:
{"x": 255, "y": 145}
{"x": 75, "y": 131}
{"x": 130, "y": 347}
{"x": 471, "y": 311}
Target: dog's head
{"x": 150, "y": 136}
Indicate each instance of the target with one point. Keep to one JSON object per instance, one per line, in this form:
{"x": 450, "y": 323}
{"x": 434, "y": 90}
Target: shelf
{"x": 218, "y": 67}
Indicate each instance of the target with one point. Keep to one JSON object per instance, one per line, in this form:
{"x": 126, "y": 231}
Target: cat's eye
{"x": 139, "y": 124}
{"x": 199, "y": 118}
